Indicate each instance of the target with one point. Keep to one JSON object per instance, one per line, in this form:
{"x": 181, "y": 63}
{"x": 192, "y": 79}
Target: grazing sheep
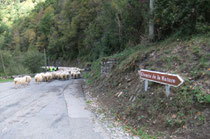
{"x": 38, "y": 78}
{"x": 20, "y": 81}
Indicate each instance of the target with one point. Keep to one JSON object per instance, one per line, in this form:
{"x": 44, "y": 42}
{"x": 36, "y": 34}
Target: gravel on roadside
{"x": 113, "y": 127}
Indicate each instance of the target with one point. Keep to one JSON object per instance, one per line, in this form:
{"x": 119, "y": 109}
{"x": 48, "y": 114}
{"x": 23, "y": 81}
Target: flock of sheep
{"x": 74, "y": 73}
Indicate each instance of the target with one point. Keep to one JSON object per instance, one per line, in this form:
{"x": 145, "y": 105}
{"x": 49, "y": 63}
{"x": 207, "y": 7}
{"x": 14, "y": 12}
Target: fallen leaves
{"x": 174, "y": 116}
{"x": 198, "y": 113}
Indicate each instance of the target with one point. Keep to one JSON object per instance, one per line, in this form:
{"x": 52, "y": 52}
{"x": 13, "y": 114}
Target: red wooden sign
{"x": 162, "y": 78}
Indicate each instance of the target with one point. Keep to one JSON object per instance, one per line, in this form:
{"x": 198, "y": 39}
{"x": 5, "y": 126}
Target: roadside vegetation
{"x": 5, "y": 80}
{"x": 184, "y": 113}
{"x": 87, "y": 31}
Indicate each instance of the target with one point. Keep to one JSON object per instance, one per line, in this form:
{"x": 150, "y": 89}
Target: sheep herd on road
{"x": 74, "y": 73}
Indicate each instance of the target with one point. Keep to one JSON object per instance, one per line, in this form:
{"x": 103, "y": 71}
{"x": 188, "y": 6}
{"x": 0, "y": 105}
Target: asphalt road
{"x": 55, "y": 110}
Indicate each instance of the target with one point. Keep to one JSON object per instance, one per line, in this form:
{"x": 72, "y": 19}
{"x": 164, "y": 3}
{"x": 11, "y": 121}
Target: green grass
{"x": 88, "y": 101}
{"x": 5, "y": 80}
{"x": 95, "y": 72}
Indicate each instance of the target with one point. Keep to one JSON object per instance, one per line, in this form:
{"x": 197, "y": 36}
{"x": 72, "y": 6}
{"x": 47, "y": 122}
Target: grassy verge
{"x": 95, "y": 72}
{"x": 187, "y": 106}
{"x": 5, "y": 80}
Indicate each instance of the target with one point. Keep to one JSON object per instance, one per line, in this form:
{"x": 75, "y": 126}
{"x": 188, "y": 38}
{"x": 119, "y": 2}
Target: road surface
{"x": 55, "y": 110}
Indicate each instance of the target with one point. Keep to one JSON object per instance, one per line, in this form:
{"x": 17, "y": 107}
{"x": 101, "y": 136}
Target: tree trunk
{"x": 3, "y": 66}
{"x": 45, "y": 59}
{"x": 151, "y": 21}
{"x": 120, "y": 27}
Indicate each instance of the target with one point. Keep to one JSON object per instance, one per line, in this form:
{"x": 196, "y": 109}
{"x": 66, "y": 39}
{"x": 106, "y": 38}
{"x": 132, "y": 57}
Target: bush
{"x": 183, "y": 16}
{"x": 5, "y": 56}
{"x": 22, "y": 63}
{"x": 17, "y": 69}
{"x": 33, "y": 60}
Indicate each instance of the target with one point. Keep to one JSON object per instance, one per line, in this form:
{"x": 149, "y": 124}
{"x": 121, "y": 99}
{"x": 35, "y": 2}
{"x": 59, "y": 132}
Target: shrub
{"x": 182, "y": 16}
{"x": 33, "y": 60}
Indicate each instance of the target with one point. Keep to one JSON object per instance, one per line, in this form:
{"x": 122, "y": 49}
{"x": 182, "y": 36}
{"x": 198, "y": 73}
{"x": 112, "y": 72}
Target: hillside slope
{"x": 84, "y": 31}
{"x": 184, "y": 114}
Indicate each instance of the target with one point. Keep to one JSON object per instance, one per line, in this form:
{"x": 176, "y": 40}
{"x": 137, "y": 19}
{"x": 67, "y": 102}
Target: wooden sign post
{"x": 162, "y": 78}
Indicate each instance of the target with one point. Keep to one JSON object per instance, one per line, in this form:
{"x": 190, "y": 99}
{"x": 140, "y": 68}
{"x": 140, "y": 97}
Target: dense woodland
{"x": 89, "y": 29}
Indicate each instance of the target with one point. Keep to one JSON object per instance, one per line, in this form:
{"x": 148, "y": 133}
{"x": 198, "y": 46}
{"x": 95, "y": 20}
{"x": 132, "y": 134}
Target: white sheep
{"x": 69, "y": 71}
{"x": 28, "y": 79}
{"x": 20, "y": 81}
{"x": 38, "y": 78}
{"x": 48, "y": 76}
{"x": 65, "y": 75}
{"x": 75, "y": 74}
{"x": 54, "y": 75}
{"x": 78, "y": 74}
{"x": 62, "y": 75}
{"x": 43, "y": 77}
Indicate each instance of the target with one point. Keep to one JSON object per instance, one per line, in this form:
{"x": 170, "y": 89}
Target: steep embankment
{"x": 184, "y": 114}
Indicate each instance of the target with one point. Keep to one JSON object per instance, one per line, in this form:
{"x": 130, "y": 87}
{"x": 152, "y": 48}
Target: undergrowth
{"x": 188, "y": 58}
{"x": 95, "y": 73}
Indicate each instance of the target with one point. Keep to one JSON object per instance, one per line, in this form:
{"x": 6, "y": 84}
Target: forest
{"x": 87, "y": 30}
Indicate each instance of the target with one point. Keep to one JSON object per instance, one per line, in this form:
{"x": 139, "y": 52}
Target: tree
{"x": 151, "y": 21}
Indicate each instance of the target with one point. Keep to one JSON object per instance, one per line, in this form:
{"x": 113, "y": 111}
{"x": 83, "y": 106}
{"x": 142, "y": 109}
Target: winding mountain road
{"x": 55, "y": 110}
